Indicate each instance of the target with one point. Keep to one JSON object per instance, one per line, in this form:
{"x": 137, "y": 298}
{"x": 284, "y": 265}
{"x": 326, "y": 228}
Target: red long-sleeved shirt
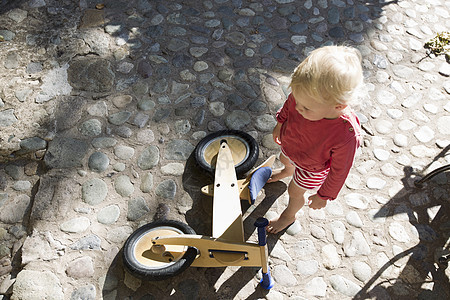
{"x": 318, "y": 145}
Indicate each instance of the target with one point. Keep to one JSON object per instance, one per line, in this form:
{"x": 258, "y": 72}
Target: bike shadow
{"x": 427, "y": 210}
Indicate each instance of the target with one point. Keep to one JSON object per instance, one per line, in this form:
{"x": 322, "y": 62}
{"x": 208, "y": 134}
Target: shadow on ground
{"x": 427, "y": 210}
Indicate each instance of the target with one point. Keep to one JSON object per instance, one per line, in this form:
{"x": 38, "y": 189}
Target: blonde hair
{"x": 330, "y": 74}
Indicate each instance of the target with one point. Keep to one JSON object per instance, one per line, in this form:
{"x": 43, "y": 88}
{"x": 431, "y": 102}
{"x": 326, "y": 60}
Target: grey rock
{"x": 80, "y": 267}
{"x": 15, "y": 171}
{"x": 176, "y": 45}
{"x": 178, "y": 150}
{"x": 104, "y": 142}
{"x": 89, "y": 242}
{"x": 161, "y": 114}
{"x": 357, "y": 245}
{"x": 91, "y": 128}
{"x": 91, "y": 74}
{"x": 7, "y": 117}
{"x": 124, "y": 131}
{"x": 87, "y": 292}
{"x": 119, "y": 118}
{"x": 68, "y": 106}
{"x": 146, "y": 104}
{"x": 98, "y": 162}
{"x": 94, "y": 191}
{"x": 108, "y": 215}
{"x": 237, "y": 119}
{"x": 344, "y": 286}
{"x": 149, "y": 158}
{"x": 7, "y": 35}
{"x": 166, "y": 189}
{"x": 123, "y": 186}
{"x": 265, "y": 122}
{"x": 284, "y": 276}
{"x": 65, "y": 153}
{"x": 21, "y": 185}
{"x": 12, "y": 60}
{"x": 147, "y": 183}
{"x": 137, "y": 207}
{"x": 14, "y": 209}
{"x": 98, "y": 109}
{"x": 75, "y": 225}
{"x": 32, "y": 284}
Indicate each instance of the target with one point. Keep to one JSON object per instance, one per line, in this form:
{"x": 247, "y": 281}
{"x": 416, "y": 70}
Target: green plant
{"x": 440, "y": 44}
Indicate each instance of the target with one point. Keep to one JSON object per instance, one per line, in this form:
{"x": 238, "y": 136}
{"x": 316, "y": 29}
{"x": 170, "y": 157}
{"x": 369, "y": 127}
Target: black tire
{"x": 153, "y": 270}
{"x": 243, "y": 163}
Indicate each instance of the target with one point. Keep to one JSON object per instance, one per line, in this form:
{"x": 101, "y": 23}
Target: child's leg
{"x": 286, "y": 171}
{"x": 287, "y": 217}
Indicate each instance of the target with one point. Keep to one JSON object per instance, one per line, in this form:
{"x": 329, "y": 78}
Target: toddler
{"x": 318, "y": 132}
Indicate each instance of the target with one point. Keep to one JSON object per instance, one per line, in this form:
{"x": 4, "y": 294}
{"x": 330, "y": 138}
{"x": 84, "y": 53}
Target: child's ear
{"x": 340, "y": 106}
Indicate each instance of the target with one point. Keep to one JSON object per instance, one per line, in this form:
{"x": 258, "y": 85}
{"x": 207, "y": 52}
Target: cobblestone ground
{"x": 102, "y": 104}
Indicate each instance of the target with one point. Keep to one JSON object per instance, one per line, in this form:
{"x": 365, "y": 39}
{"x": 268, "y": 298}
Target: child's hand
{"x": 276, "y": 134}
{"x": 315, "y": 202}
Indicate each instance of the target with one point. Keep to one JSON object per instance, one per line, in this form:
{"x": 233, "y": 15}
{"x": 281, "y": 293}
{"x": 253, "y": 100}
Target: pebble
{"x": 166, "y": 189}
{"x": 76, "y": 225}
{"x": 137, "y": 207}
{"x": 330, "y": 258}
{"x": 123, "y": 186}
{"x": 108, "y": 215}
{"x": 98, "y": 162}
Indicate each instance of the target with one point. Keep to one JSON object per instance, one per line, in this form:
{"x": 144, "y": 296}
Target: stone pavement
{"x": 102, "y": 103}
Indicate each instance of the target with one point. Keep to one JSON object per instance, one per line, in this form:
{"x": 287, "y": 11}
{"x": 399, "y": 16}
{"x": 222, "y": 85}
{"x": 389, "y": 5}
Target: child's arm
{"x": 276, "y": 133}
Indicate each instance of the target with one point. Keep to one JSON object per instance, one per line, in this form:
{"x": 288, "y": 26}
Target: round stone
{"x": 75, "y": 225}
{"x": 166, "y": 189}
{"x": 175, "y": 169}
{"x": 98, "y": 162}
{"x": 398, "y": 232}
{"x": 94, "y": 191}
{"x": 182, "y": 127}
{"x": 124, "y": 152}
{"x": 108, "y": 215}
{"x": 237, "y": 119}
{"x": 381, "y": 154}
{"x": 356, "y": 200}
{"x": 330, "y": 257}
{"x": 217, "y": 108}
{"x": 443, "y": 125}
{"x": 148, "y": 158}
{"x": 92, "y": 127}
{"x": 354, "y": 219}
{"x": 424, "y": 134}
{"x": 200, "y": 66}
{"x": 307, "y": 267}
{"x": 406, "y": 125}
{"x": 400, "y": 140}
{"x": 137, "y": 208}
{"x": 123, "y": 186}
{"x": 104, "y": 142}
{"x": 178, "y": 150}
{"x": 375, "y": 183}
{"x": 119, "y": 118}
{"x": 265, "y": 122}
{"x": 338, "y": 229}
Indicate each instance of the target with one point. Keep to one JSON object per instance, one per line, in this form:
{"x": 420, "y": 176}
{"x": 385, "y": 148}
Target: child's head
{"x": 331, "y": 75}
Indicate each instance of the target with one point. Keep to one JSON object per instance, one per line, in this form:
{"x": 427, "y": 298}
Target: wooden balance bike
{"x": 165, "y": 248}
